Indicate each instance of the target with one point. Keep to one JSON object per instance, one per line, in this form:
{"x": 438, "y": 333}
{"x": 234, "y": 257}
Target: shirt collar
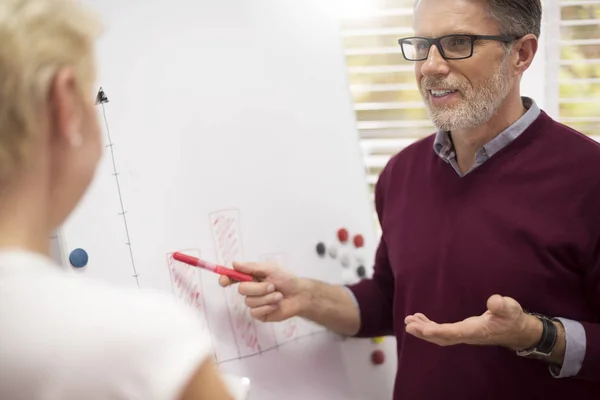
{"x": 444, "y": 148}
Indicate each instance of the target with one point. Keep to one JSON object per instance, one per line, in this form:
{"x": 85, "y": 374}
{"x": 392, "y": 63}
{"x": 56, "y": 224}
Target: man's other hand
{"x": 503, "y": 324}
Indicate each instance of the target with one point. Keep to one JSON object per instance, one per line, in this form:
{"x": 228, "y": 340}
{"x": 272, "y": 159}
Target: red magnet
{"x": 359, "y": 241}
{"x": 343, "y": 235}
{"x": 377, "y": 357}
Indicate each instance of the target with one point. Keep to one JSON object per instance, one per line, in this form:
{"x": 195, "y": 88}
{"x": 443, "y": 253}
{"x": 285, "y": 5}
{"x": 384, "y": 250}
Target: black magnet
{"x": 321, "y": 249}
{"x": 361, "y": 271}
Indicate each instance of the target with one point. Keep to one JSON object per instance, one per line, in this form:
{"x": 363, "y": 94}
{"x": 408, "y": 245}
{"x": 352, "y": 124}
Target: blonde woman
{"x": 62, "y": 337}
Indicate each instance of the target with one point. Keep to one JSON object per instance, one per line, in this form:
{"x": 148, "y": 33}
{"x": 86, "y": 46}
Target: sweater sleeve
{"x": 591, "y": 361}
{"x": 375, "y": 295}
{"x": 375, "y": 298}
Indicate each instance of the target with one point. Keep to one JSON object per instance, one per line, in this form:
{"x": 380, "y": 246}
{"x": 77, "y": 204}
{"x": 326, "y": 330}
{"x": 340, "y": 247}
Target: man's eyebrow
{"x": 464, "y": 32}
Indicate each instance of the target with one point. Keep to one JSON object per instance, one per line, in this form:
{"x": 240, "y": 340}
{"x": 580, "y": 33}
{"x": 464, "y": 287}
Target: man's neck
{"x": 468, "y": 142}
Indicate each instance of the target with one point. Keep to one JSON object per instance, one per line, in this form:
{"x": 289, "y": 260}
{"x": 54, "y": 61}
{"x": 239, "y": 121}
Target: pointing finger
{"x": 224, "y": 281}
{"x": 255, "y": 288}
{"x": 270, "y": 299}
{"x": 262, "y": 312}
{"x": 258, "y": 270}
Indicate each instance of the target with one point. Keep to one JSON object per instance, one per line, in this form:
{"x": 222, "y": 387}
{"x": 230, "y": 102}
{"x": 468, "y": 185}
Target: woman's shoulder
{"x": 90, "y": 334}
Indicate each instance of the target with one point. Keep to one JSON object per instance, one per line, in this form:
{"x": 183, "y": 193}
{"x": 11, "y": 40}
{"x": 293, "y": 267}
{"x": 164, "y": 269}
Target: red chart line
{"x": 216, "y": 242}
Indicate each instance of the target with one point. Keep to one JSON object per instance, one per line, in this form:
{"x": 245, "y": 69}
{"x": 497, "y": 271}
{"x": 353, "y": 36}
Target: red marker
{"x": 233, "y": 274}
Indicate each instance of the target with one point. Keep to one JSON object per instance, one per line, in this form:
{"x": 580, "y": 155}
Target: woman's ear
{"x": 64, "y": 103}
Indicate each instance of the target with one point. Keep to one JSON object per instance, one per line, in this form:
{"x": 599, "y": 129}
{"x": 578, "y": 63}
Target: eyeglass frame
{"x": 437, "y": 42}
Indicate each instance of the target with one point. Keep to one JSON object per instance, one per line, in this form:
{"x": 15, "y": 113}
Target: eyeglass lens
{"x": 452, "y": 47}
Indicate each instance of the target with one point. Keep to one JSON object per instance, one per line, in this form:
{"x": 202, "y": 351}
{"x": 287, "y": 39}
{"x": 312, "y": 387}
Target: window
{"x": 389, "y": 110}
{"x": 576, "y": 62}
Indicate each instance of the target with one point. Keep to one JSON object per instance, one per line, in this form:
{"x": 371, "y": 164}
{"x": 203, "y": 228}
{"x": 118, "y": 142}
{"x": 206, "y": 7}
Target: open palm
{"x": 502, "y": 324}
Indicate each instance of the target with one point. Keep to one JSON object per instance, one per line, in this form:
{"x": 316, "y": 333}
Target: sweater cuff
{"x": 361, "y": 291}
{"x": 591, "y": 363}
{"x": 352, "y": 296}
{"x": 374, "y": 309}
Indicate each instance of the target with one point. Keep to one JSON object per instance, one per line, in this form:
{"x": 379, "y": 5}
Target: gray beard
{"x": 477, "y": 106}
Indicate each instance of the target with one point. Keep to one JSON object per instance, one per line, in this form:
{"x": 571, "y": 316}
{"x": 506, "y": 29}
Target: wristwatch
{"x": 547, "y": 341}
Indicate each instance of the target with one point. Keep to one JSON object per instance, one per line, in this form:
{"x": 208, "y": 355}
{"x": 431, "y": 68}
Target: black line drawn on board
{"x": 299, "y": 338}
{"x": 102, "y": 99}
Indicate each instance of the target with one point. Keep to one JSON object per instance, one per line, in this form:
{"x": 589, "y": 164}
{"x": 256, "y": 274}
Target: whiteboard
{"x": 230, "y": 134}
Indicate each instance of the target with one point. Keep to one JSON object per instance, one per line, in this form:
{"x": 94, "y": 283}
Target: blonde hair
{"x": 37, "y": 38}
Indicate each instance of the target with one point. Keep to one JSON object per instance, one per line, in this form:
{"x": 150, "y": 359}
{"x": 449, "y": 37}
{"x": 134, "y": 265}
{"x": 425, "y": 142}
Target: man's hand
{"x": 503, "y": 324}
{"x": 276, "y": 295}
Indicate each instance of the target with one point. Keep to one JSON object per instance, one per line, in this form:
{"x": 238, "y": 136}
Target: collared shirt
{"x": 444, "y": 148}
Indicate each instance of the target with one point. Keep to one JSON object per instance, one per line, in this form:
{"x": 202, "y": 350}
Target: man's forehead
{"x": 453, "y": 3}
{"x": 442, "y": 17}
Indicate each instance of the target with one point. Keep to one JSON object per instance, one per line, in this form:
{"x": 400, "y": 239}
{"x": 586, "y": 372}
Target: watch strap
{"x": 547, "y": 341}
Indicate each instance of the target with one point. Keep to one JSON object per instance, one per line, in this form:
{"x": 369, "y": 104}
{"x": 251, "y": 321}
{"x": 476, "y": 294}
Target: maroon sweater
{"x": 525, "y": 224}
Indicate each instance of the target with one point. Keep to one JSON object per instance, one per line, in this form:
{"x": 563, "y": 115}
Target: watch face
{"x": 540, "y": 316}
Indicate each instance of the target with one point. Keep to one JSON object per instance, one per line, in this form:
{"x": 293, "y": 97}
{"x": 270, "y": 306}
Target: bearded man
{"x": 488, "y": 267}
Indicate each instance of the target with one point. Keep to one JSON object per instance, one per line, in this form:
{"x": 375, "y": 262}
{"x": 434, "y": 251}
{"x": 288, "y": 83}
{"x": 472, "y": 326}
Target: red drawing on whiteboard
{"x": 289, "y": 329}
{"x": 227, "y": 235}
{"x": 187, "y": 283}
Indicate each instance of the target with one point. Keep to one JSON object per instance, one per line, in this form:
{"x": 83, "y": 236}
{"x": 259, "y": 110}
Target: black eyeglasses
{"x": 451, "y": 47}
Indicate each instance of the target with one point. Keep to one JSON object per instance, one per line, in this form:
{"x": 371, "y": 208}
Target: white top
{"x": 66, "y": 337}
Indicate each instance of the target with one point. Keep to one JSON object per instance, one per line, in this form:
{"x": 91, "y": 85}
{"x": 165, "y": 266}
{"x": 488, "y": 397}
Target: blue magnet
{"x": 78, "y": 258}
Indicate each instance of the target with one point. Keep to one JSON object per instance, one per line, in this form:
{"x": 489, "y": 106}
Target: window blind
{"x": 388, "y": 107}
{"x": 578, "y": 60}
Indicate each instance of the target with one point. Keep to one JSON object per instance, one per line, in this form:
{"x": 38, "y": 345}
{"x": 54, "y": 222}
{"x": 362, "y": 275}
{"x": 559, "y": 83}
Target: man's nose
{"x": 435, "y": 63}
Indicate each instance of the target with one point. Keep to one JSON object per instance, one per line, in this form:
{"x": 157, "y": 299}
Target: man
{"x": 488, "y": 269}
